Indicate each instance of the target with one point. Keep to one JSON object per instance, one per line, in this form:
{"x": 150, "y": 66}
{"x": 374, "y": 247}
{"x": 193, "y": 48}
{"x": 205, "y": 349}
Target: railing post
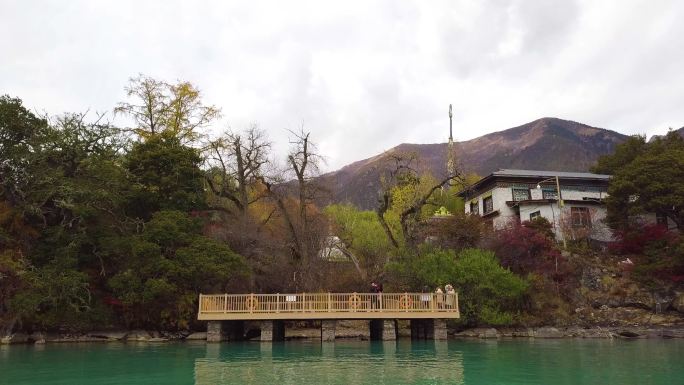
{"x": 278, "y": 303}
{"x": 225, "y": 303}
{"x": 329, "y": 303}
{"x": 458, "y": 312}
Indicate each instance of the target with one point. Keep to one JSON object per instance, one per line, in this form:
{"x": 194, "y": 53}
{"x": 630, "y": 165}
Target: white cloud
{"x": 363, "y": 76}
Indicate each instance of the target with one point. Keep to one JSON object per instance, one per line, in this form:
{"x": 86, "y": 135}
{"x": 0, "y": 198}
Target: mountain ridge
{"x": 544, "y": 144}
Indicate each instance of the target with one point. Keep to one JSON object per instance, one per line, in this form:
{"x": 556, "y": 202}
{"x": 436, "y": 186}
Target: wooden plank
{"x": 320, "y": 316}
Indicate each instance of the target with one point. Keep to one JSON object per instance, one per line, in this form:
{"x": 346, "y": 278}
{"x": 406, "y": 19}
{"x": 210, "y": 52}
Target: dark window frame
{"x": 535, "y": 214}
{"x": 549, "y": 193}
{"x": 580, "y": 216}
{"x": 520, "y": 189}
{"x": 485, "y": 201}
{"x": 475, "y": 208}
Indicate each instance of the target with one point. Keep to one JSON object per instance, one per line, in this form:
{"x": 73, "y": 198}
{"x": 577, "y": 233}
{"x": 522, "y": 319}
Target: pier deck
{"x": 296, "y": 306}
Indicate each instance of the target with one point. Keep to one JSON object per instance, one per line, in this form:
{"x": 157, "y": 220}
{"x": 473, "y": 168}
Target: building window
{"x": 474, "y": 208}
{"x": 535, "y": 215}
{"x": 580, "y": 216}
{"x": 549, "y": 193}
{"x": 521, "y": 194}
{"x": 661, "y": 219}
{"x": 488, "y": 205}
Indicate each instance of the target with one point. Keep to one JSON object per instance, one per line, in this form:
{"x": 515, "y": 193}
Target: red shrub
{"x": 527, "y": 249}
{"x": 634, "y": 241}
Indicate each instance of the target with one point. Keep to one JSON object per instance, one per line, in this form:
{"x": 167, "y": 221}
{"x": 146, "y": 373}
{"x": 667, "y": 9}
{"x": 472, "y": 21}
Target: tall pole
{"x": 450, "y": 156}
{"x": 560, "y": 197}
{"x": 560, "y": 216}
{"x": 451, "y": 138}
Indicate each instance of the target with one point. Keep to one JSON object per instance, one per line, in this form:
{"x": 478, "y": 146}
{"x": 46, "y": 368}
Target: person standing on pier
{"x": 376, "y": 295}
{"x": 439, "y": 297}
{"x": 450, "y": 295}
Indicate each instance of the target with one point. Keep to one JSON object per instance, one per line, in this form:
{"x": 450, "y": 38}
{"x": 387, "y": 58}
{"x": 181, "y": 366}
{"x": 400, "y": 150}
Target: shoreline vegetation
{"x": 121, "y": 228}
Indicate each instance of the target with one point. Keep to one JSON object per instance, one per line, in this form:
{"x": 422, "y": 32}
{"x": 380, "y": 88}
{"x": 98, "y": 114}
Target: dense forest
{"x": 108, "y": 227}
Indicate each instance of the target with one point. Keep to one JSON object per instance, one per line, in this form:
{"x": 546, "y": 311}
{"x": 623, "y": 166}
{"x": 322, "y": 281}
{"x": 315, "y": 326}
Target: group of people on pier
{"x": 444, "y": 298}
{"x": 449, "y": 293}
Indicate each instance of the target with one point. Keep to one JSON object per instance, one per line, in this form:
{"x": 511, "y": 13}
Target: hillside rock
{"x": 139, "y": 335}
{"x": 16, "y": 338}
{"x": 678, "y": 302}
{"x": 108, "y": 335}
{"x": 548, "y": 332}
{"x": 198, "y": 336}
{"x": 591, "y": 278}
{"x": 479, "y": 333}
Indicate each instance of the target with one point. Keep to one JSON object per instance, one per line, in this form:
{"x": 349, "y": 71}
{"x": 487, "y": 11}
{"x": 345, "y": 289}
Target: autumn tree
{"x": 405, "y": 191}
{"x": 363, "y": 239}
{"x": 159, "y": 107}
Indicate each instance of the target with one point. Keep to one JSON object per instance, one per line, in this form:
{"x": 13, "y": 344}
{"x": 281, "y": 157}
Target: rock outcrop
{"x": 16, "y": 338}
{"x": 678, "y": 302}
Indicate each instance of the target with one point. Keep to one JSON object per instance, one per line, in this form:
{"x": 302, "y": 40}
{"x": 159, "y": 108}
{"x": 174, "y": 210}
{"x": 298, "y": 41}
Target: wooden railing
{"x": 327, "y": 305}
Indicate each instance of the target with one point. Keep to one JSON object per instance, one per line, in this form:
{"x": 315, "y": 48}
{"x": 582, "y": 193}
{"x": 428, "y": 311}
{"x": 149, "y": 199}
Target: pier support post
{"x": 215, "y": 331}
{"x": 428, "y": 329}
{"x": 439, "y": 329}
{"x": 328, "y": 330}
{"x": 383, "y": 329}
{"x": 389, "y": 330}
{"x": 272, "y": 331}
{"x": 218, "y": 331}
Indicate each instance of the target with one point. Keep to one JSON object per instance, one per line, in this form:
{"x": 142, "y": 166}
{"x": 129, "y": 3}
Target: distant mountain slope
{"x": 544, "y": 144}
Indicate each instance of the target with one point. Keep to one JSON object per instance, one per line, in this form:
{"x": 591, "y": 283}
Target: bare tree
{"x": 304, "y": 162}
{"x": 238, "y": 162}
{"x": 304, "y": 225}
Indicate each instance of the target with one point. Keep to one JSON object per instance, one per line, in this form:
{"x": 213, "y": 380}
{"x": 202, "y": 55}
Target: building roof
{"x": 535, "y": 175}
{"x": 549, "y": 174}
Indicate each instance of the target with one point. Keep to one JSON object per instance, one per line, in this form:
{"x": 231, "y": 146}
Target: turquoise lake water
{"x": 349, "y": 362}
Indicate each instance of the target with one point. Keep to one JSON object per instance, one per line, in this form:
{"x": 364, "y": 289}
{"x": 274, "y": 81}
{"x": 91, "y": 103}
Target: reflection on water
{"x": 510, "y": 362}
{"x": 353, "y": 362}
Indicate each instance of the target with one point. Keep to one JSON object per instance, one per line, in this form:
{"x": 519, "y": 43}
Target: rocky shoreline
{"x": 574, "y": 332}
{"x": 351, "y": 331}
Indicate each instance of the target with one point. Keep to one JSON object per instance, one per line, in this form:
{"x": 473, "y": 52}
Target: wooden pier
{"x": 227, "y": 313}
{"x": 327, "y": 306}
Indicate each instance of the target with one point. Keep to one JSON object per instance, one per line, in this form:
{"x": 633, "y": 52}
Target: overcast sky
{"x": 362, "y": 76}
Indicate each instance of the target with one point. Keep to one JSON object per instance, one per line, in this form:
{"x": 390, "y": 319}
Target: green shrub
{"x": 488, "y": 293}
